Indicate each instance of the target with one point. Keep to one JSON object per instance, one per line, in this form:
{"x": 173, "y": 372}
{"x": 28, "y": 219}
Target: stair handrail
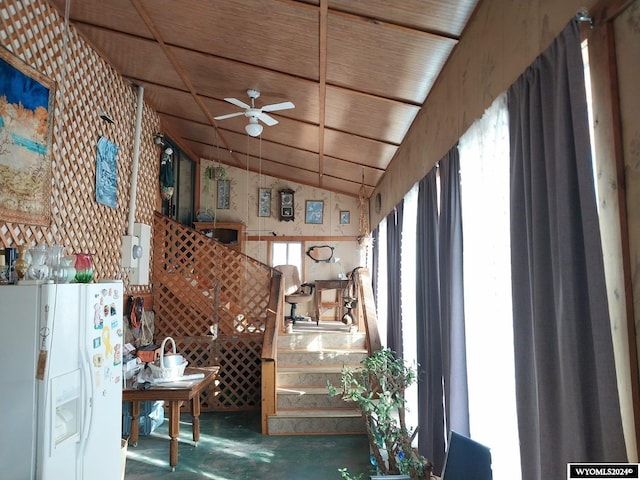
{"x": 367, "y": 303}
{"x": 269, "y": 360}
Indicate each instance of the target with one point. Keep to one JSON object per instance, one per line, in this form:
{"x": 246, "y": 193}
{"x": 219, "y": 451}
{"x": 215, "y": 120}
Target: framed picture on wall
{"x": 224, "y": 191}
{"x": 106, "y": 172}
{"x": 25, "y": 154}
{"x": 264, "y": 202}
{"x": 314, "y": 210}
{"x": 345, "y": 217}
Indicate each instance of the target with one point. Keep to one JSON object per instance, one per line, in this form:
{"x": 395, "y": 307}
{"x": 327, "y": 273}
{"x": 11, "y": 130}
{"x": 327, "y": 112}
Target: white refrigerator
{"x": 61, "y": 381}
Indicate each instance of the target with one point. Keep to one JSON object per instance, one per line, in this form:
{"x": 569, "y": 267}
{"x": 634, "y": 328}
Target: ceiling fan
{"x": 254, "y": 128}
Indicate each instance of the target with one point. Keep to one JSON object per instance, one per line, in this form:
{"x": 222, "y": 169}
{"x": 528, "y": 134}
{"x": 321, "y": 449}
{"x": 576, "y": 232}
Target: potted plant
{"x": 214, "y": 172}
{"x": 378, "y": 388}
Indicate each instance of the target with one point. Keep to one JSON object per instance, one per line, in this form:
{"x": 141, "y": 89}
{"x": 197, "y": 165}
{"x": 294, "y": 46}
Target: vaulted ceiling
{"x": 357, "y": 71}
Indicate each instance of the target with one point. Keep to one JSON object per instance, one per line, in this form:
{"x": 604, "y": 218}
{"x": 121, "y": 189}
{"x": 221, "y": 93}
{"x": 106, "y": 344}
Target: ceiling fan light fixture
{"x": 253, "y": 113}
{"x": 253, "y": 129}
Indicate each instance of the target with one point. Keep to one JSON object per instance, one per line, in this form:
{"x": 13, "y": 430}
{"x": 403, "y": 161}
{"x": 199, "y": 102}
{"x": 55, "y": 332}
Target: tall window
{"x": 484, "y": 169}
{"x": 408, "y": 291}
{"x": 381, "y": 303}
{"x": 287, "y": 253}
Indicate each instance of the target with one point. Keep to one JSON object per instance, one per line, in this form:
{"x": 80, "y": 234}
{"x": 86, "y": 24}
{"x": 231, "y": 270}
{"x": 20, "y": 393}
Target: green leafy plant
{"x": 345, "y": 475}
{"x": 378, "y": 388}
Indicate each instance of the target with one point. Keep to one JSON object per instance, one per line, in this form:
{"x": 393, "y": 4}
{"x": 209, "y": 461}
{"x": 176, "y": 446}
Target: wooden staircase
{"x": 307, "y": 359}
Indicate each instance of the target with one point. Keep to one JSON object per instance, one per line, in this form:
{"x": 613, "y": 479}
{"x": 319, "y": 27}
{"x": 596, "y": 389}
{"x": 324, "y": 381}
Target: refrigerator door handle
{"x": 87, "y": 406}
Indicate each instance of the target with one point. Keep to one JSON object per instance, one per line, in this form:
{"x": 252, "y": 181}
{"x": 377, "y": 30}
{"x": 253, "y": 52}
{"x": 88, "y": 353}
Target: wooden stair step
{"x": 308, "y": 397}
{"x": 338, "y": 421}
{"x": 307, "y": 360}
{"x": 319, "y": 412}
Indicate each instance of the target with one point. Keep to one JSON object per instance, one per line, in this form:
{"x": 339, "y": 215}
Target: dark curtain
{"x": 394, "y": 307}
{"x": 442, "y": 390}
{"x": 431, "y": 438}
{"x": 566, "y": 389}
{"x": 452, "y": 295}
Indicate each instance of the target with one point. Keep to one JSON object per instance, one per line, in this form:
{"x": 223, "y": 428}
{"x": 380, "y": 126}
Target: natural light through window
{"x": 408, "y": 297}
{"x": 287, "y": 253}
{"x": 484, "y": 167}
{"x": 381, "y": 301}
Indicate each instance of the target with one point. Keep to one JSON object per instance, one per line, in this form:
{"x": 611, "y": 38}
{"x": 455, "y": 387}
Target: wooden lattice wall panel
{"x": 238, "y": 384}
{"x": 85, "y": 84}
{"x": 200, "y": 352}
{"x": 239, "y": 387}
{"x": 192, "y": 275}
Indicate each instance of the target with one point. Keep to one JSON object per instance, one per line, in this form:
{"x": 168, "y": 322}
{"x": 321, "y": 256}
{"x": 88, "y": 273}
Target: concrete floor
{"x": 232, "y": 448}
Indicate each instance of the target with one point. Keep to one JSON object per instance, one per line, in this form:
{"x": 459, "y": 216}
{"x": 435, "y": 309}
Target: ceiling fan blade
{"x": 278, "y": 106}
{"x": 228, "y": 115}
{"x": 237, "y": 102}
{"x": 267, "y": 119}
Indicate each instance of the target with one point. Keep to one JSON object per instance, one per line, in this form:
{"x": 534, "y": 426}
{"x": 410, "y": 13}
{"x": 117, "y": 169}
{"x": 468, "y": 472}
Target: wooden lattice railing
{"x": 200, "y": 285}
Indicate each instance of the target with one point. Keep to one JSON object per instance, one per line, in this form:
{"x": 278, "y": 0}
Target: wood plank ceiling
{"x": 358, "y": 72}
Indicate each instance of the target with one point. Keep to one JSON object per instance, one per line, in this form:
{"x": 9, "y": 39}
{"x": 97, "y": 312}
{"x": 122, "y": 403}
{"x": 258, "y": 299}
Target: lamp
{"x": 253, "y": 128}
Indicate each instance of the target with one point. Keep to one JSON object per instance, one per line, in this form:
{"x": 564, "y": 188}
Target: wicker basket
{"x": 158, "y": 370}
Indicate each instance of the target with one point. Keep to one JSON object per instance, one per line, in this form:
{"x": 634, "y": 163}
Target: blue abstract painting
{"x": 26, "y": 119}
{"x": 106, "y": 173}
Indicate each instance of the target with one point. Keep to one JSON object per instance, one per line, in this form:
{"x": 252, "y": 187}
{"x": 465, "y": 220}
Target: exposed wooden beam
{"x": 609, "y": 152}
{"x": 180, "y": 71}
{"x": 607, "y": 10}
{"x": 324, "y": 9}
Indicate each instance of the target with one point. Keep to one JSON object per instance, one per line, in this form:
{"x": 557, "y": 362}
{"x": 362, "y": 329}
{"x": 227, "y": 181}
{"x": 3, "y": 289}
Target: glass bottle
{"x": 54, "y": 262}
{"x": 38, "y": 270}
{"x": 68, "y": 268}
{"x": 4, "y": 268}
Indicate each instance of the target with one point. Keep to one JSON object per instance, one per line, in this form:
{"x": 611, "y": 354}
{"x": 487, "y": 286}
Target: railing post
{"x": 367, "y": 305}
{"x": 269, "y": 360}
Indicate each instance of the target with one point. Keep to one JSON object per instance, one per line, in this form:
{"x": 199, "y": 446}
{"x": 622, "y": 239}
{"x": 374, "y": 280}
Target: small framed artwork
{"x": 106, "y": 173}
{"x": 264, "y": 202}
{"x": 314, "y": 210}
{"x": 345, "y": 217}
{"x": 224, "y": 191}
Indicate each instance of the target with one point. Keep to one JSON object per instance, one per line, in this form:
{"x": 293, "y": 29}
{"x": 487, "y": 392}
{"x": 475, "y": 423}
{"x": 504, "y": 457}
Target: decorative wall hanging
{"x": 287, "y": 209}
{"x": 264, "y": 207}
{"x": 26, "y": 125}
{"x": 320, "y": 253}
{"x": 364, "y": 235}
{"x": 106, "y": 172}
{"x": 224, "y": 191}
{"x": 314, "y": 210}
{"x": 345, "y": 217}
{"x": 167, "y": 179}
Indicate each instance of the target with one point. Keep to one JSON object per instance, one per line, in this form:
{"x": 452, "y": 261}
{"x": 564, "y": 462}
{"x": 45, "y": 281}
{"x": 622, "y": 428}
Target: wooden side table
{"x": 339, "y": 286}
{"x": 175, "y": 394}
